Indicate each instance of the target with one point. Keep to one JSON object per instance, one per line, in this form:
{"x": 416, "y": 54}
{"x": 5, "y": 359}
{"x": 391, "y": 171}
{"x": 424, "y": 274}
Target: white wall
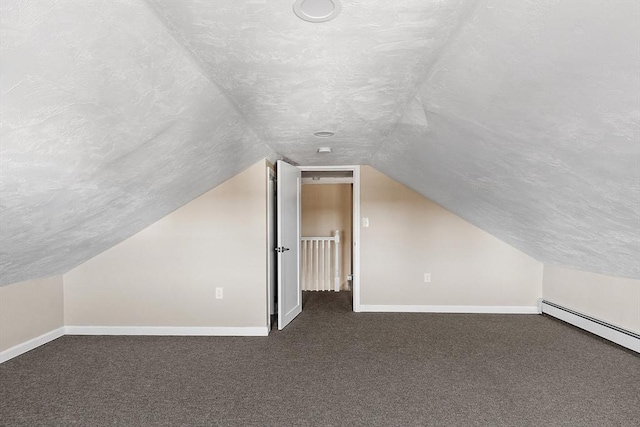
{"x": 615, "y": 300}
{"x": 166, "y": 275}
{"x": 410, "y": 235}
{"x": 30, "y": 309}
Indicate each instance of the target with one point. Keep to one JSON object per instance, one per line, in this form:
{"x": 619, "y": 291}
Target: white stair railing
{"x": 321, "y": 263}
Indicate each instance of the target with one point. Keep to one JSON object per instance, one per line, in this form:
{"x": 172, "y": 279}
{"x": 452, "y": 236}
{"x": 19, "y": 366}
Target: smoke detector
{"x": 317, "y": 10}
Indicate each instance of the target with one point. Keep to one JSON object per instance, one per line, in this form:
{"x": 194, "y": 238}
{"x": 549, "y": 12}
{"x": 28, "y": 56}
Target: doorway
{"x": 348, "y": 176}
{"x": 288, "y": 295}
{"x": 326, "y": 226}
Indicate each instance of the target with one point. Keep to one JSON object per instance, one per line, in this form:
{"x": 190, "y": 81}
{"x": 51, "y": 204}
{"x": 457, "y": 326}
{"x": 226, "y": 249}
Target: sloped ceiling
{"x": 522, "y": 117}
{"x": 107, "y": 126}
{"x": 528, "y": 126}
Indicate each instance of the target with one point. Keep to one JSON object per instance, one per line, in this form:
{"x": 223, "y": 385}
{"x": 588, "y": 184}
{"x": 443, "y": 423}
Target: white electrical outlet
{"x": 218, "y": 293}
{"x": 427, "y": 277}
{"x": 365, "y": 222}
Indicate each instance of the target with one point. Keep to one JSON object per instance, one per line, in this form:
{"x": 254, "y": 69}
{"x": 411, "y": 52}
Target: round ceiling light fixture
{"x": 317, "y": 10}
{"x": 324, "y": 134}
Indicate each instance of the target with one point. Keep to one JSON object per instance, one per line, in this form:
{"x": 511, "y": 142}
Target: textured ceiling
{"x": 291, "y": 78}
{"x": 107, "y": 125}
{"x": 522, "y": 117}
{"x": 528, "y": 126}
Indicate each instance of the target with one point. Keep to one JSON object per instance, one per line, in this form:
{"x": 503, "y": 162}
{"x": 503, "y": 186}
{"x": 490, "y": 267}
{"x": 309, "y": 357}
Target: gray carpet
{"x": 332, "y": 367}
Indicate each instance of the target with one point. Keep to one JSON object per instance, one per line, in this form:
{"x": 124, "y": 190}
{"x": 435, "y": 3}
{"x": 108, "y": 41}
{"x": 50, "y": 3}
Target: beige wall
{"x": 325, "y": 208}
{"x": 612, "y": 299}
{"x": 30, "y": 309}
{"x": 409, "y": 235}
{"x": 166, "y": 275}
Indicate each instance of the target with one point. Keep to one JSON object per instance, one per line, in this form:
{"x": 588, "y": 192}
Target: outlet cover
{"x": 218, "y": 293}
{"x": 427, "y": 277}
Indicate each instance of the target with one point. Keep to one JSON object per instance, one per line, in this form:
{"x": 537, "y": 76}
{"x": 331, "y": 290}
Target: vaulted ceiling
{"x": 522, "y": 117}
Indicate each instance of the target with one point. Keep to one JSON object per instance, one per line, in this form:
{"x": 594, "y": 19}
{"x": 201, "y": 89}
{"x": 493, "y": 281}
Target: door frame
{"x": 355, "y": 245}
{"x": 272, "y": 262}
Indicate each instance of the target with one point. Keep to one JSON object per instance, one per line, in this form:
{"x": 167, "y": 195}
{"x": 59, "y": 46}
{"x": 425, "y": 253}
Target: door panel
{"x": 288, "y": 243}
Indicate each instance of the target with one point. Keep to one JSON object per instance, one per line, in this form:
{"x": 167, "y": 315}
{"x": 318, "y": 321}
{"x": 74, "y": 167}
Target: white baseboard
{"x": 17, "y": 350}
{"x": 22, "y": 348}
{"x": 525, "y": 309}
{"x": 258, "y": 331}
{"x": 603, "y": 329}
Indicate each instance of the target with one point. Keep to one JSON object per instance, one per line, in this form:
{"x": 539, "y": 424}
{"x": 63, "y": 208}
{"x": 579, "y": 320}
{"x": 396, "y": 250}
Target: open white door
{"x": 288, "y": 249}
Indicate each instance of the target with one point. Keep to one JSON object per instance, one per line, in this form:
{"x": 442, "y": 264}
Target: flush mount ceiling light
{"x": 324, "y": 134}
{"x": 324, "y": 150}
{"x": 317, "y": 10}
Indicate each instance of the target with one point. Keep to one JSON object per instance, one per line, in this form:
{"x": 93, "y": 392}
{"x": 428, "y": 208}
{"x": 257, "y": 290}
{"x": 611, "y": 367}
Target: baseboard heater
{"x": 613, "y": 333}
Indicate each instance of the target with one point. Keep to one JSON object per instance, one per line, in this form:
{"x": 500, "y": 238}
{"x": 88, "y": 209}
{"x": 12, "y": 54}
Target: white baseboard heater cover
{"x": 613, "y": 333}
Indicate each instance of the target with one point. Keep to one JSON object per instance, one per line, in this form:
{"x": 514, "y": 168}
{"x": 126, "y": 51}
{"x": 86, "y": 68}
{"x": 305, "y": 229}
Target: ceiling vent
{"x": 317, "y": 10}
{"x": 324, "y": 134}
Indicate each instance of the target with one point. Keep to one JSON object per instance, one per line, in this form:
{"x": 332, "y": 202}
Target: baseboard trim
{"x": 610, "y": 332}
{"x": 26, "y": 346}
{"x": 218, "y": 331}
{"x": 482, "y": 309}
{"x": 214, "y": 331}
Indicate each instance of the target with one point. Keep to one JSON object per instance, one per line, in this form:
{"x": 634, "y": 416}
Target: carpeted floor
{"x": 333, "y": 367}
